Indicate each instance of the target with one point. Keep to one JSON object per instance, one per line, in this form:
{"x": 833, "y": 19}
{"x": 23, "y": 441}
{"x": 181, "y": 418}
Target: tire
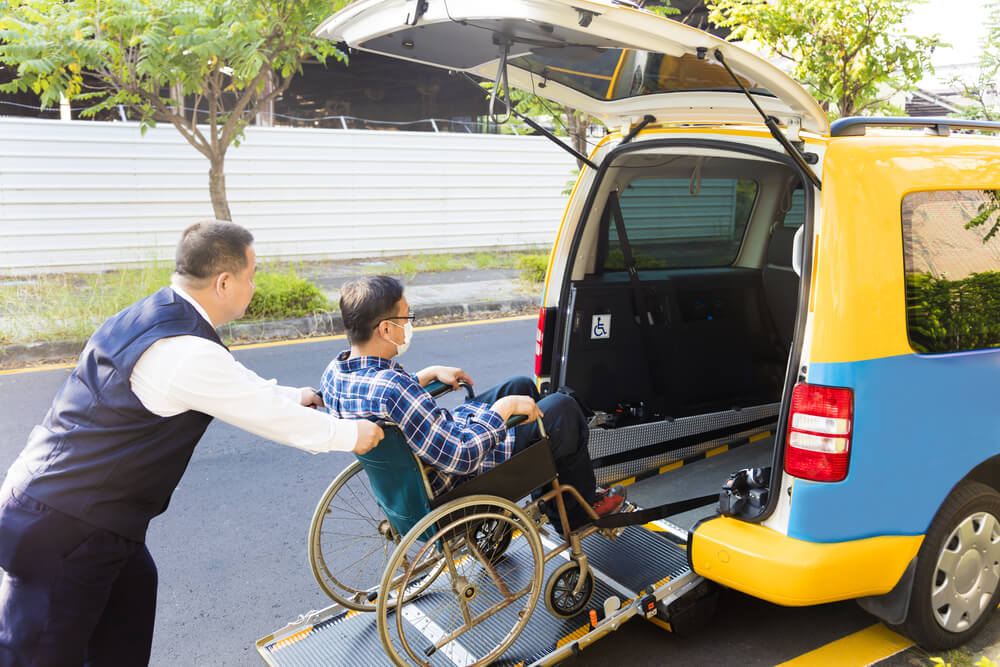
{"x": 958, "y": 570}
{"x": 559, "y": 596}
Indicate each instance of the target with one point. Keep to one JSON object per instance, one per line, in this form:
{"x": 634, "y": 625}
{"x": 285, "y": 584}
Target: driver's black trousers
{"x": 73, "y": 594}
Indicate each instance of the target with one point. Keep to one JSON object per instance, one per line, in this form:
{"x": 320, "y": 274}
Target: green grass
{"x": 70, "y": 306}
{"x": 411, "y": 265}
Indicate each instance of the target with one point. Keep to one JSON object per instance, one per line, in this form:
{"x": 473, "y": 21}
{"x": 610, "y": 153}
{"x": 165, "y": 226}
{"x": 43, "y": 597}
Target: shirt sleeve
{"x": 455, "y": 446}
{"x": 192, "y": 373}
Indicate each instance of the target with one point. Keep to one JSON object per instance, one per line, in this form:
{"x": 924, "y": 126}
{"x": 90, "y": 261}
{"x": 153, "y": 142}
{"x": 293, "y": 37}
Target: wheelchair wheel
{"x": 483, "y": 598}
{"x": 350, "y": 541}
{"x": 559, "y": 596}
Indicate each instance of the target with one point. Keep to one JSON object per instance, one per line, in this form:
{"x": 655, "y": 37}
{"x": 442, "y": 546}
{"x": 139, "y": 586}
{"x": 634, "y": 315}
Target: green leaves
{"x": 227, "y": 57}
{"x": 853, "y": 56}
{"x": 983, "y": 91}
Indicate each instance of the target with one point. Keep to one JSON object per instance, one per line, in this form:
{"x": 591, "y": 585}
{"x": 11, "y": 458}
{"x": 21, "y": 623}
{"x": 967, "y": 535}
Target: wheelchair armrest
{"x": 514, "y": 420}
{"x": 437, "y": 388}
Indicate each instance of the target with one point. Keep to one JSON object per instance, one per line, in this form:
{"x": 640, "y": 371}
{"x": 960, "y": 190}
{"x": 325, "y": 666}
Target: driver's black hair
{"x": 211, "y": 247}
{"x": 365, "y": 302}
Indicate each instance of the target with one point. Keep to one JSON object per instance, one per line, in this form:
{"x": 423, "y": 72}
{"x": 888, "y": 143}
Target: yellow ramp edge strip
{"x": 718, "y": 450}
{"x": 298, "y": 636}
{"x": 760, "y": 436}
{"x": 671, "y": 466}
{"x": 573, "y": 636}
{"x": 864, "y": 647}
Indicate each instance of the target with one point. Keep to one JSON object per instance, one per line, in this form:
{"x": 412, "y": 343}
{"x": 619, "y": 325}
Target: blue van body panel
{"x": 921, "y": 424}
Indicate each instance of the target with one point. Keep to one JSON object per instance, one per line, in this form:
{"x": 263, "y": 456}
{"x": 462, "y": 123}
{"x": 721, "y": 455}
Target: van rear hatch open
{"x": 615, "y": 63}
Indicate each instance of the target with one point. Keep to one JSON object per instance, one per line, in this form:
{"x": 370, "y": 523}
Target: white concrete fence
{"x": 92, "y": 195}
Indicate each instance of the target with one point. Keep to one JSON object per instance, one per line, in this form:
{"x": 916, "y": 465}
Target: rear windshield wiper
{"x": 770, "y": 121}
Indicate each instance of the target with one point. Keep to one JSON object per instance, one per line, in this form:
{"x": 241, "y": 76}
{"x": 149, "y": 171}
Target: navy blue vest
{"x": 100, "y": 455}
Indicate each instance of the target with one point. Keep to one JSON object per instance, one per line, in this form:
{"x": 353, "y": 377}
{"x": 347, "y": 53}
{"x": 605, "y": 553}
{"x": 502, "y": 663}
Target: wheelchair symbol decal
{"x": 600, "y": 326}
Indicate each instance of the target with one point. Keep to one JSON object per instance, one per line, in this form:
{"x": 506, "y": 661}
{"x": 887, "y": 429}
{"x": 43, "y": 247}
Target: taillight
{"x": 543, "y": 340}
{"x": 820, "y": 425}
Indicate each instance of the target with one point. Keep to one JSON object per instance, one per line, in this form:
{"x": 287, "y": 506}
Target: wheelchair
{"x": 380, "y": 541}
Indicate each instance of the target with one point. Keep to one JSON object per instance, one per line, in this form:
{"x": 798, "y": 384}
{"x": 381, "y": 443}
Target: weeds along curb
{"x": 25, "y": 354}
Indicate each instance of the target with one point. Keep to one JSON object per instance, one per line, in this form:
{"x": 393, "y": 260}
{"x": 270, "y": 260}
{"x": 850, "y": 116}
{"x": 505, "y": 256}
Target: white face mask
{"x": 407, "y": 337}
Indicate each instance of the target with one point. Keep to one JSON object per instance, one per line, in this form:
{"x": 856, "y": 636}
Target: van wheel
{"x": 958, "y": 570}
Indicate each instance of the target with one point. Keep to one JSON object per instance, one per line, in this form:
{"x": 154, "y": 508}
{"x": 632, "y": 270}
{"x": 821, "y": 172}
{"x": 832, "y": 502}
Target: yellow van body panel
{"x": 766, "y": 564}
{"x": 859, "y": 291}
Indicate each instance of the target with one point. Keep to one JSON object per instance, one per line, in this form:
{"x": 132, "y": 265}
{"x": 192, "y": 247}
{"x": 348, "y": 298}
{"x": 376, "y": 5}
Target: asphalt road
{"x": 231, "y": 549}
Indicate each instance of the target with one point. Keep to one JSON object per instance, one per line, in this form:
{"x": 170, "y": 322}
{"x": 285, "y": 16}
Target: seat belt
{"x": 643, "y": 316}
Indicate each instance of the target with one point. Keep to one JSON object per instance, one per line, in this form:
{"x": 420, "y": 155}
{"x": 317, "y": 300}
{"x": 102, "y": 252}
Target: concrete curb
{"x": 26, "y": 354}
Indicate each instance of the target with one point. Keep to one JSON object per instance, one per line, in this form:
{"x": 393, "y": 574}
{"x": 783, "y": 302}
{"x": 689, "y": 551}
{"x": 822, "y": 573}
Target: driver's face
{"x": 243, "y": 284}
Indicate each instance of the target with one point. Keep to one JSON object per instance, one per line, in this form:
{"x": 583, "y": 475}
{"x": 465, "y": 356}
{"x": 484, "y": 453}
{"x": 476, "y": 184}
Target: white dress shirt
{"x": 183, "y": 373}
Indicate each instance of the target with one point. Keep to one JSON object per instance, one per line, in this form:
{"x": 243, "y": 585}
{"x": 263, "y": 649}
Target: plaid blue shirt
{"x": 457, "y": 446}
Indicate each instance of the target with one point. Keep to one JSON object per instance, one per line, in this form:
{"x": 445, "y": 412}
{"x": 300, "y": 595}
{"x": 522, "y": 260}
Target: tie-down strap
{"x": 642, "y": 516}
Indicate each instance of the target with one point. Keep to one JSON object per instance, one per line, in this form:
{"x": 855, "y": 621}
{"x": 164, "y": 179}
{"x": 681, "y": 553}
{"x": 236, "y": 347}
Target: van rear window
{"x": 677, "y": 222}
{"x": 951, "y": 249}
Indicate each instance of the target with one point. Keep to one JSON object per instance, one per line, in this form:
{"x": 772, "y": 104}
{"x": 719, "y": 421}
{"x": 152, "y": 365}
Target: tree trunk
{"x": 217, "y": 188}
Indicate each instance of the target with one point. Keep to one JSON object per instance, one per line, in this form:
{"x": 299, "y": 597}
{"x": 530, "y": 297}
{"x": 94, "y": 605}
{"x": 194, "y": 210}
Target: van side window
{"x": 671, "y": 224}
{"x": 796, "y": 215}
{"x": 951, "y": 249}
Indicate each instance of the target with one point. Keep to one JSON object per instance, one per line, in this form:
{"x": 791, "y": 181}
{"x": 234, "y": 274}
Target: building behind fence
{"x": 94, "y": 195}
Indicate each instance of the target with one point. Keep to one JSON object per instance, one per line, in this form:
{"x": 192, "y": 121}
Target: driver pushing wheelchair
{"x": 364, "y": 382}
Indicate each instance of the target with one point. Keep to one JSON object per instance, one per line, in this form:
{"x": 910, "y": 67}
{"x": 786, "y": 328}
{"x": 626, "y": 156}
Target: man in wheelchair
{"x": 364, "y": 382}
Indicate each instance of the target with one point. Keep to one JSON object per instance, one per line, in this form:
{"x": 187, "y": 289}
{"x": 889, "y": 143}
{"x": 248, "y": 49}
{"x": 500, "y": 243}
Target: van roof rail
{"x": 855, "y": 126}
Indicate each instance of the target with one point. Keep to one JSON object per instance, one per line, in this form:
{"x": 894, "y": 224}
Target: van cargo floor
{"x": 699, "y": 478}
{"x": 635, "y": 562}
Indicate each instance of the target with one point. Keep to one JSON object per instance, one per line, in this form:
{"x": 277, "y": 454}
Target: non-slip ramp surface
{"x": 632, "y": 563}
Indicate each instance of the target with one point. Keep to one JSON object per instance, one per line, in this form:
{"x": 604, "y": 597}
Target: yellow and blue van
{"x": 745, "y": 294}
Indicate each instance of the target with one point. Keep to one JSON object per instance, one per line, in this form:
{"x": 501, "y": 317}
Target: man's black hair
{"x": 365, "y": 302}
{"x": 211, "y": 247}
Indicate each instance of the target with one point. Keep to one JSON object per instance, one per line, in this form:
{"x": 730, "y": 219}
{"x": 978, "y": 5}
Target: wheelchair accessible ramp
{"x": 643, "y": 564}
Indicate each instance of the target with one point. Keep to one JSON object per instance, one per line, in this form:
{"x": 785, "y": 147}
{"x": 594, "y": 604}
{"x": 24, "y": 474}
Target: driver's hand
{"x": 452, "y": 376}
{"x": 310, "y": 398}
{"x": 517, "y": 405}
{"x": 369, "y": 435}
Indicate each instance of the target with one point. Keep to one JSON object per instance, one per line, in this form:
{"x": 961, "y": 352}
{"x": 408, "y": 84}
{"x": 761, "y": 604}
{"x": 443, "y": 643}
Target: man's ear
{"x": 382, "y": 331}
{"x": 222, "y": 281}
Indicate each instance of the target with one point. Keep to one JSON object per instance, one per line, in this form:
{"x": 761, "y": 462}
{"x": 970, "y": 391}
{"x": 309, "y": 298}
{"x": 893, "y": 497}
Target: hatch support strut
{"x": 770, "y": 121}
{"x": 538, "y": 128}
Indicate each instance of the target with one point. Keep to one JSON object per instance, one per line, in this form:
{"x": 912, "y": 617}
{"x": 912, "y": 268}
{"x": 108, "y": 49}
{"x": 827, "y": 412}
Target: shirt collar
{"x": 348, "y": 364}
{"x": 190, "y": 299}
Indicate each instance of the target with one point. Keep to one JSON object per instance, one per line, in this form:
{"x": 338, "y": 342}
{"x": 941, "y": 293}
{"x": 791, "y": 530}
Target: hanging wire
{"x": 305, "y": 119}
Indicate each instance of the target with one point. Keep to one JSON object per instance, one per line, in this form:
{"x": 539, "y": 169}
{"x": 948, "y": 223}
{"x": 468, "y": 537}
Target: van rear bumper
{"x": 780, "y": 569}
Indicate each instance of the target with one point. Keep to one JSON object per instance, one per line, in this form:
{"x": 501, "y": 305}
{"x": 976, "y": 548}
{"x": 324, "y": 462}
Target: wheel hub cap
{"x": 967, "y": 572}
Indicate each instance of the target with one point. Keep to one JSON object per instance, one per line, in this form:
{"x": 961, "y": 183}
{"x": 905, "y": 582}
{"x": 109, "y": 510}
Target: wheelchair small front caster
{"x": 559, "y": 597}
